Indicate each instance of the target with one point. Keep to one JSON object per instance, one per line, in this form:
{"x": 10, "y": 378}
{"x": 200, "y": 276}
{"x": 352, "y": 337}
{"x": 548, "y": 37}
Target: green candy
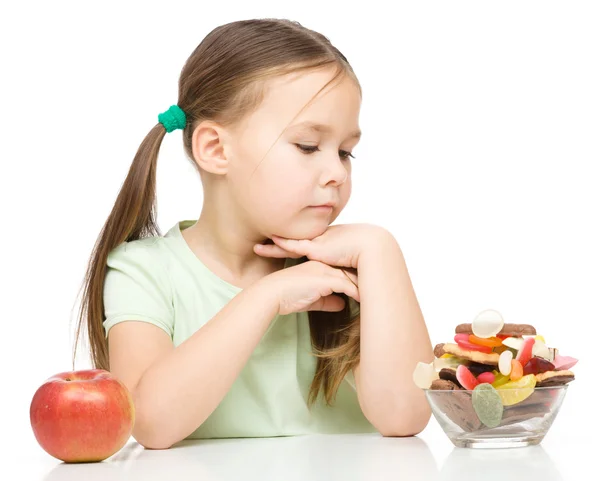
{"x": 487, "y": 403}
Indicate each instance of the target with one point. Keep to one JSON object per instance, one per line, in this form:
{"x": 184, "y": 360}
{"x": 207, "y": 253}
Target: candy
{"x": 513, "y": 342}
{"x": 466, "y": 378}
{"x": 487, "y": 404}
{"x": 490, "y": 341}
{"x": 469, "y": 346}
{"x": 516, "y": 371}
{"x": 524, "y": 354}
{"x": 446, "y": 355}
{"x": 540, "y": 338}
{"x": 504, "y": 362}
{"x": 500, "y": 380}
{"x": 424, "y": 374}
{"x": 463, "y": 336}
{"x": 540, "y": 349}
{"x": 486, "y": 377}
{"x": 441, "y": 362}
{"x": 516, "y": 391}
{"x": 537, "y": 365}
{"x": 564, "y": 362}
{"x": 487, "y": 323}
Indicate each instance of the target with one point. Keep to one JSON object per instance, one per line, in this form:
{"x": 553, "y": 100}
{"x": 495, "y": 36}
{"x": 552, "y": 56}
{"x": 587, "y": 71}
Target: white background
{"x": 480, "y": 153}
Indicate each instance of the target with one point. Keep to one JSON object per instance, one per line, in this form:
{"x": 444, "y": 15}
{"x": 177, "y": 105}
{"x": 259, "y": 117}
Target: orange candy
{"x": 489, "y": 342}
{"x": 516, "y": 371}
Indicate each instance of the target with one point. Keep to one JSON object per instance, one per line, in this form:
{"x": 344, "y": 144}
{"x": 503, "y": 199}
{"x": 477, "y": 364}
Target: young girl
{"x": 245, "y": 322}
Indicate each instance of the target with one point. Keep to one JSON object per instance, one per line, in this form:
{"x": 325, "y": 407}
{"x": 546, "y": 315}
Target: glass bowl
{"x": 524, "y": 422}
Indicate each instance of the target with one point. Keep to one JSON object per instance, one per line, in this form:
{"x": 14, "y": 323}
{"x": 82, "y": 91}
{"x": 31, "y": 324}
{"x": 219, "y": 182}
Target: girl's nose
{"x": 335, "y": 171}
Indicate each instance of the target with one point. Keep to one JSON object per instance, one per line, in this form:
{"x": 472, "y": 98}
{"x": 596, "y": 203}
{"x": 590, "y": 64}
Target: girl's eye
{"x": 309, "y": 149}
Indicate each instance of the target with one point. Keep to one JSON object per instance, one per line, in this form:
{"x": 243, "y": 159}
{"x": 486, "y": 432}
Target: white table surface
{"x": 569, "y": 449}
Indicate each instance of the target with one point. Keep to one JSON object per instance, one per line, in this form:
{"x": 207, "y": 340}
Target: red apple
{"x": 82, "y": 416}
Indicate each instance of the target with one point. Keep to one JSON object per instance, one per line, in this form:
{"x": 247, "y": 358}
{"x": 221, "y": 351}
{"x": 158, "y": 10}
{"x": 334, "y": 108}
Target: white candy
{"x": 424, "y": 374}
{"x": 540, "y": 349}
{"x": 487, "y": 323}
{"x": 441, "y": 362}
{"x": 504, "y": 362}
{"x": 513, "y": 342}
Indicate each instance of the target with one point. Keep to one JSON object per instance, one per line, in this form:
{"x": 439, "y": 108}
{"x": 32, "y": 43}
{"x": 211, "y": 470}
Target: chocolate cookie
{"x": 508, "y": 329}
{"x": 444, "y": 385}
{"x": 554, "y": 378}
{"x": 449, "y": 374}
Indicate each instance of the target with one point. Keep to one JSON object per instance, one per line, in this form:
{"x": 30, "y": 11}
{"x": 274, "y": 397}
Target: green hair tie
{"x": 172, "y": 119}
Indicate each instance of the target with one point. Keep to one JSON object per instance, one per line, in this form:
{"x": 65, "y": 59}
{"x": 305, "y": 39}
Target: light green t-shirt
{"x": 160, "y": 280}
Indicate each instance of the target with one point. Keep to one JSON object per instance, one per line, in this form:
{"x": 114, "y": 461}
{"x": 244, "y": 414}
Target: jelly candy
{"x": 516, "y": 371}
{"x": 537, "y": 365}
{"x": 516, "y": 391}
{"x": 513, "y": 342}
{"x": 540, "y": 349}
{"x": 490, "y": 341}
{"x": 487, "y": 323}
{"x": 500, "y": 380}
{"x": 465, "y": 377}
{"x": 452, "y": 362}
{"x": 504, "y": 362}
{"x": 424, "y": 374}
{"x": 487, "y": 404}
{"x": 469, "y": 346}
{"x": 540, "y": 338}
{"x": 564, "y": 362}
{"x": 486, "y": 377}
{"x": 446, "y": 355}
{"x": 524, "y": 354}
{"x": 461, "y": 336}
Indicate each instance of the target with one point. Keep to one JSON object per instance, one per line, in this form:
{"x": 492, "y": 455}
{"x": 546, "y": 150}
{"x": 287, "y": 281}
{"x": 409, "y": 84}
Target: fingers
{"x": 331, "y": 303}
{"x": 271, "y": 250}
{"x": 340, "y": 282}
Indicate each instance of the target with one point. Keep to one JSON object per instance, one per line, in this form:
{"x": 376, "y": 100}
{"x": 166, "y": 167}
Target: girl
{"x": 245, "y": 322}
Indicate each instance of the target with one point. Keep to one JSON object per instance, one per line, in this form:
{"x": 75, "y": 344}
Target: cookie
{"x": 554, "y": 378}
{"x": 458, "y": 407}
{"x": 508, "y": 329}
{"x": 444, "y": 385}
{"x": 449, "y": 374}
{"x": 475, "y": 356}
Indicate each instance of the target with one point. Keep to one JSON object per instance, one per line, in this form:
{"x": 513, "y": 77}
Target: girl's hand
{"x": 310, "y": 286}
{"x": 340, "y": 245}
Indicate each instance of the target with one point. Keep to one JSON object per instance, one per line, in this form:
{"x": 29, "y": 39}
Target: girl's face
{"x": 278, "y": 186}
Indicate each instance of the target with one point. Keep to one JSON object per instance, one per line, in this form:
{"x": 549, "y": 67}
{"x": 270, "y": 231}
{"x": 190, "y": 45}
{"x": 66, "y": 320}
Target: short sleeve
{"x": 137, "y": 286}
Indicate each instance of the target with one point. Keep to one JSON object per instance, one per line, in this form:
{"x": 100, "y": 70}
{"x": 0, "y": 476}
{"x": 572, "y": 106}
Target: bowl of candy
{"x": 497, "y": 386}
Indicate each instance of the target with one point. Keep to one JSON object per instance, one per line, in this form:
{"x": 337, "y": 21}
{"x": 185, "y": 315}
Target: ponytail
{"x": 133, "y": 217}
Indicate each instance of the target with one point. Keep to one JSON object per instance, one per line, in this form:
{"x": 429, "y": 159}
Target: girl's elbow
{"x": 410, "y": 425}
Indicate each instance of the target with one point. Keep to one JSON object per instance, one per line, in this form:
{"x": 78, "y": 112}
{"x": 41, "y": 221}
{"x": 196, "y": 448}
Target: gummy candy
{"x": 524, "y": 354}
{"x": 537, "y": 365}
{"x": 540, "y": 338}
{"x": 513, "y": 342}
{"x": 487, "y": 404}
{"x": 490, "y": 341}
{"x": 564, "y": 362}
{"x": 465, "y": 377}
{"x": 424, "y": 374}
{"x": 486, "y": 377}
{"x": 504, "y": 362}
{"x": 446, "y": 355}
{"x": 540, "y": 349}
{"x": 516, "y": 371}
{"x": 487, "y": 323}
{"x": 500, "y": 380}
{"x": 516, "y": 391}
{"x": 469, "y": 346}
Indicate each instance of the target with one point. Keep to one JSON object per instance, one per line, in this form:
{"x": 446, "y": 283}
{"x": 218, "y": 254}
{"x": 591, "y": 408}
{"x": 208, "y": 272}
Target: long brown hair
{"x": 222, "y": 81}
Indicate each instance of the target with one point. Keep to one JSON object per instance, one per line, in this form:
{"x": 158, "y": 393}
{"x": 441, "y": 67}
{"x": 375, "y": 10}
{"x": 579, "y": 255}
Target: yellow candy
{"x": 446, "y": 355}
{"x": 540, "y": 338}
{"x": 500, "y": 379}
{"x": 514, "y": 392}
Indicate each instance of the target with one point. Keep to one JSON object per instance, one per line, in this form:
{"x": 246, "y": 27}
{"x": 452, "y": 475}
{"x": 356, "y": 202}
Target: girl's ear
{"x": 208, "y": 147}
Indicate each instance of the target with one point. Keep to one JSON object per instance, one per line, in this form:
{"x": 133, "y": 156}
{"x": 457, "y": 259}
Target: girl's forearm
{"x": 393, "y": 339}
{"x": 178, "y": 393}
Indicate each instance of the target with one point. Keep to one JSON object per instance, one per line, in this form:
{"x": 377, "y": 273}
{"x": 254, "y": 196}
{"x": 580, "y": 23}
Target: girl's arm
{"x": 393, "y": 338}
{"x": 184, "y": 385}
